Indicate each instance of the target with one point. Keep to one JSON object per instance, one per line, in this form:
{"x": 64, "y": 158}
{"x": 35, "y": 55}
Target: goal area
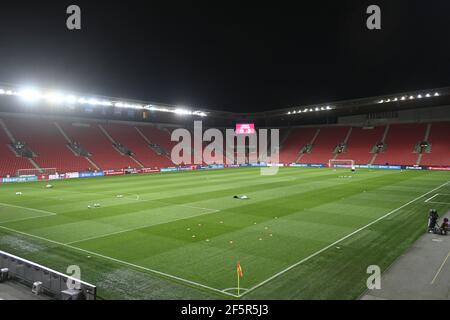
{"x": 36, "y": 172}
{"x": 334, "y": 163}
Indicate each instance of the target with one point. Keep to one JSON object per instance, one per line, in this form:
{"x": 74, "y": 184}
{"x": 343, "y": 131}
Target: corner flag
{"x": 240, "y": 274}
{"x": 239, "y": 269}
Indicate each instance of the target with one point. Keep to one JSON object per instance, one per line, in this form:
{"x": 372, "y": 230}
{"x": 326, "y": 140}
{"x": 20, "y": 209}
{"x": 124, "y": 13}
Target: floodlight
{"x": 419, "y": 96}
{"x": 70, "y": 99}
{"x": 436, "y": 94}
{"x": 181, "y": 111}
{"x": 106, "y": 103}
{"x": 199, "y": 113}
{"x": 427, "y": 95}
{"x": 55, "y": 97}
{"x": 93, "y": 102}
{"x": 82, "y": 100}
{"x": 29, "y": 94}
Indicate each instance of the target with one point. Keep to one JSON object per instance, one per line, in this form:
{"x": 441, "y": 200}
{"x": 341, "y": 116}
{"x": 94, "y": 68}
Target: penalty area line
{"x": 428, "y": 200}
{"x": 163, "y": 274}
{"x": 340, "y": 240}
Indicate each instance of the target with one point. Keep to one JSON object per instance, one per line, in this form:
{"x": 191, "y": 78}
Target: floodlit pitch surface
{"x": 303, "y": 234}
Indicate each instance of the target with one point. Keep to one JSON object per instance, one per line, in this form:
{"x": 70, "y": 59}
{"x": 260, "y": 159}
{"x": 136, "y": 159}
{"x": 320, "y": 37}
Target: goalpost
{"x": 36, "y": 172}
{"x": 337, "y": 163}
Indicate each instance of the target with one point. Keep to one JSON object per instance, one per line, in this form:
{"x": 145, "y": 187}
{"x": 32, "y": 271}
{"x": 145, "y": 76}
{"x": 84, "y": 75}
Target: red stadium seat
{"x": 440, "y": 145}
{"x": 401, "y": 140}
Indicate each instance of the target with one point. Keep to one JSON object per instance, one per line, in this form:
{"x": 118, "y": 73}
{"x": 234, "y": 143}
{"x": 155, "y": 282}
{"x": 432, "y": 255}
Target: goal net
{"x": 36, "y": 172}
{"x": 334, "y": 163}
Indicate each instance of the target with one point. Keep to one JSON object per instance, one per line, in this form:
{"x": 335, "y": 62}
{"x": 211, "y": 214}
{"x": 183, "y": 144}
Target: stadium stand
{"x": 401, "y": 140}
{"x": 49, "y": 146}
{"x": 130, "y": 137}
{"x": 160, "y": 139}
{"x": 10, "y": 163}
{"x": 295, "y": 141}
{"x": 325, "y": 143}
{"x": 440, "y": 145}
{"x": 101, "y": 146}
{"x": 104, "y": 155}
{"x": 360, "y": 143}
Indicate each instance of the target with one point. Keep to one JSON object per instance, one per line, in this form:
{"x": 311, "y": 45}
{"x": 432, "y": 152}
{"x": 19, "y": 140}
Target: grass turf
{"x": 179, "y": 235}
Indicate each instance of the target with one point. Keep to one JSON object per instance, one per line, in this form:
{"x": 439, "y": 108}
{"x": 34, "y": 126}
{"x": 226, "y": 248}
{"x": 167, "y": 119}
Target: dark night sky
{"x": 225, "y": 55}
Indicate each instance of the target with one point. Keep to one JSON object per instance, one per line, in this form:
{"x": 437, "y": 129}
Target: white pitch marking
{"x": 46, "y": 213}
{"x": 121, "y": 262}
{"x": 340, "y": 240}
{"x": 432, "y": 197}
{"x": 437, "y": 194}
{"x": 440, "y": 268}
{"x": 229, "y": 289}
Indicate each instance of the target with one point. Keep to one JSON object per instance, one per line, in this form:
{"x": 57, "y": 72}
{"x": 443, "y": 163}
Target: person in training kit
{"x": 432, "y": 219}
{"x": 444, "y": 227}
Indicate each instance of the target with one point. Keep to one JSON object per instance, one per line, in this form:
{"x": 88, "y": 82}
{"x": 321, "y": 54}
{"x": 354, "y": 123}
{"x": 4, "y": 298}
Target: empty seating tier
{"x": 360, "y": 143}
{"x": 401, "y": 140}
{"x": 296, "y": 140}
{"x": 94, "y": 139}
{"x": 47, "y": 142}
{"x": 151, "y": 146}
{"x": 324, "y": 145}
{"x": 440, "y": 145}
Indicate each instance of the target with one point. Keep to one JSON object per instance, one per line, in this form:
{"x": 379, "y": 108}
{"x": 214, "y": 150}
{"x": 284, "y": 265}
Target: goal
{"x": 36, "y": 172}
{"x": 334, "y": 163}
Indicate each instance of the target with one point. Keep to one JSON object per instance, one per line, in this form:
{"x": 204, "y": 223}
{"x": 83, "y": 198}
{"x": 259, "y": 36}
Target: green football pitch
{"x": 302, "y": 234}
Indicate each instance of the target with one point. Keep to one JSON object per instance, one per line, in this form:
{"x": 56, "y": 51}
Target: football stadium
{"x": 88, "y": 186}
{"x": 115, "y": 197}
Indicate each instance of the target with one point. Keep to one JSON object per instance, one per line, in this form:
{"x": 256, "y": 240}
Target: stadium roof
{"x": 388, "y": 102}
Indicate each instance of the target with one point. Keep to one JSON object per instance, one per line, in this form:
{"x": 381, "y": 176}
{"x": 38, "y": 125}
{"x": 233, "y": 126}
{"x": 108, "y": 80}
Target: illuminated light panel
{"x": 71, "y": 99}
{"x": 55, "y": 97}
{"x": 29, "y": 94}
